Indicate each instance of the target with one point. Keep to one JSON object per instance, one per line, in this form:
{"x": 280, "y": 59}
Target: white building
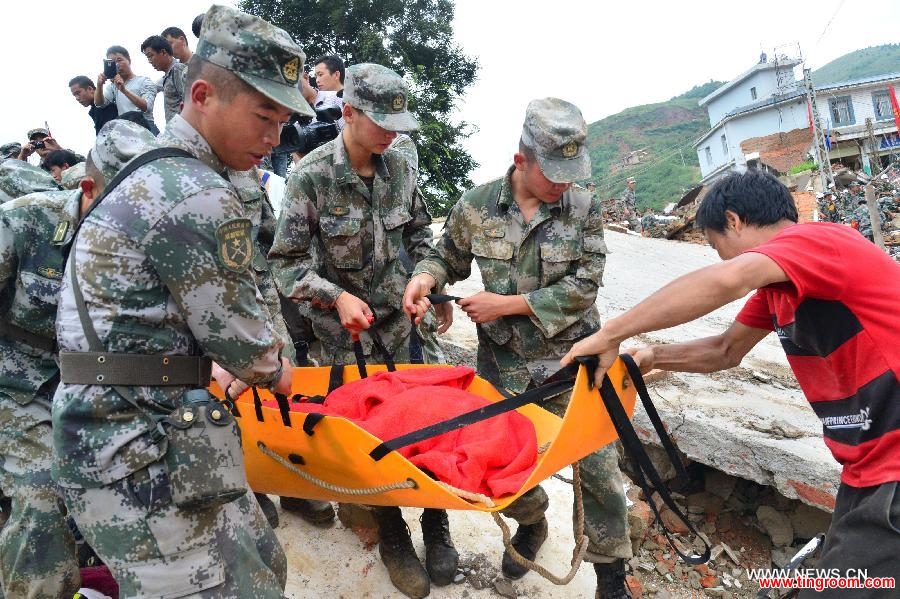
{"x": 769, "y": 99}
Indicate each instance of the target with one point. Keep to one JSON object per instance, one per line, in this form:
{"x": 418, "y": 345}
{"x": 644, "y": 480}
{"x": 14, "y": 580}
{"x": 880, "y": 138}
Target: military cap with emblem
{"x": 118, "y": 142}
{"x": 37, "y": 131}
{"x": 380, "y": 93}
{"x": 18, "y": 178}
{"x": 257, "y": 52}
{"x": 10, "y": 150}
{"x": 556, "y": 131}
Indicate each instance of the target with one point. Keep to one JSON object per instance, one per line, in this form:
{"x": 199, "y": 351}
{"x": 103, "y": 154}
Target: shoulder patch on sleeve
{"x": 235, "y": 243}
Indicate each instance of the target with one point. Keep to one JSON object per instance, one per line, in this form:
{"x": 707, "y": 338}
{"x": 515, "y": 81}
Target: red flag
{"x": 895, "y": 105}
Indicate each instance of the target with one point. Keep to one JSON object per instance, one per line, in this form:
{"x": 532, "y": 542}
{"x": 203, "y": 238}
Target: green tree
{"x": 412, "y": 37}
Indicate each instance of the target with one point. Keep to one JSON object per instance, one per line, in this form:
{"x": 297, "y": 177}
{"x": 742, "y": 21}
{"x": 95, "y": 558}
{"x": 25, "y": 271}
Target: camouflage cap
{"x": 19, "y": 178}
{"x": 10, "y": 150}
{"x": 118, "y": 142}
{"x": 381, "y": 94}
{"x": 38, "y": 131}
{"x": 72, "y": 176}
{"x": 257, "y": 52}
{"x": 556, "y": 131}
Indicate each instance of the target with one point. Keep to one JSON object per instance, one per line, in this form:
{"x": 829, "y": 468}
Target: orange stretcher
{"x": 290, "y": 454}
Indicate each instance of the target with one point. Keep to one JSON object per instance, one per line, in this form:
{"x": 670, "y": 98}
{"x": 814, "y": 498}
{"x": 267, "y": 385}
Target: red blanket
{"x": 493, "y": 457}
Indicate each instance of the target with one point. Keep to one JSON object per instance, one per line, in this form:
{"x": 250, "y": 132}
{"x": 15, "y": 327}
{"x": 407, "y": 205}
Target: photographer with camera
{"x": 127, "y": 90}
{"x": 40, "y": 142}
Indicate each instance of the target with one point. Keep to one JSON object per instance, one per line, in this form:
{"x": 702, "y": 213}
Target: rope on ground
{"x": 581, "y": 541}
{"x": 406, "y": 484}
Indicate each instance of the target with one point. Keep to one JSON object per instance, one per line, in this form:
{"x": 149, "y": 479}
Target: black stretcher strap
{"x": 635, "y": 373}
{"x": 283, "y": 407}
{"x": 360, "y": 358}
{"x": 335, "y": 377}
{"x": 388, "y": 356}
{"x": 310, "y": 422}
{"x": 560, "y": 381}
{"x": 257, "y": 404}
{"x": 435, "y": 299}
{"x": 642, "y": 465}
{"x": 335, "y": 380}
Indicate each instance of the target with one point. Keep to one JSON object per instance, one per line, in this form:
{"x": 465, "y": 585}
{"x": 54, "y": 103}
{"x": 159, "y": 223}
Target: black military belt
{"x": 95, "y": 368}
{"x": 12, "y": 331}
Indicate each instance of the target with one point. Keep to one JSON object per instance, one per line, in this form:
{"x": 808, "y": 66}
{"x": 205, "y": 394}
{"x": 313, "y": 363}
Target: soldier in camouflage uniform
{"x": 10, "y": 150}
{"x": 539, "y": 244}
{"x": 350, "y": 207}
{"x": 19, "y": 178}
{"x": 258, "y": 209}
{"x": 828, "y": 208}
{"x": 629, "y": 206}
{"x": 164, "y": 267}
{"x": 37, "y": 549}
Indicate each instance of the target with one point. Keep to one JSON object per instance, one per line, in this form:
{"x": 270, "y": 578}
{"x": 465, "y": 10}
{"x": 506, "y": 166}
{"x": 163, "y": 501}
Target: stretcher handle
{"x": 560, "y": 381}
{"x": 642, "y": 465}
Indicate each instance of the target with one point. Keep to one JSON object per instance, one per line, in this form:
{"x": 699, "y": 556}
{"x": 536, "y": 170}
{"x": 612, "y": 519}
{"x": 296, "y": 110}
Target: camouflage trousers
{"x": 37, "y": 548}
{"x": 156, "y": 549}
{"x": 603, "y": 497}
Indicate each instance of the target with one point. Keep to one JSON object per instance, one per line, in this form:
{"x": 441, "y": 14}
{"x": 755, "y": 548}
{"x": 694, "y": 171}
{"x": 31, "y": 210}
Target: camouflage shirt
{"x": 34, "y": 230}
{"x": 159, "y": 275}
{"x": 334, "y": 236}
{"x": 258, "y": 209}
{"x": 555, "y": 261}
{"x": 628, "y": 199}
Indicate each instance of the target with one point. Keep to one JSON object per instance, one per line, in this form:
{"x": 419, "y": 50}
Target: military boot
{"x": 611, "y": 581}
{"x": 268, "y": 509}
{"x": 398, "y": 555}
{"x": 319, "y": 513}
{"x": 441, "y": 557}
{"x": 527, "y": 541}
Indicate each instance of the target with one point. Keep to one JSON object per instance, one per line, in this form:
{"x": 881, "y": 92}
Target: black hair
{"x": 197, "y": 24}
{"x": 527, "y": 152}
{"x": 173, "y": 32}
{"x": 158, "y": 43}
{"x": 227, "y": 84}
{"x": 59, "y": 158}
{"x": 118, "y": 50}
{"x": 333, "y": 63}
{"x": 82, "y": 81}
{"x": 757, "y": 197}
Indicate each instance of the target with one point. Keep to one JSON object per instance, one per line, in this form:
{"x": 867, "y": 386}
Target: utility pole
{"x": 826, "y": 177}
{"x": 874, "y": 216}
{"x": 873, "y": 148}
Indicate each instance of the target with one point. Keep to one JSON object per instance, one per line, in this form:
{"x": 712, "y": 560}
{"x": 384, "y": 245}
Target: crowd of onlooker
{"x": 117, "y": 92}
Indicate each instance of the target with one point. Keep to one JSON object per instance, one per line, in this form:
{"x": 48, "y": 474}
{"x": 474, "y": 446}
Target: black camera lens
{"x": 38, "y": 145}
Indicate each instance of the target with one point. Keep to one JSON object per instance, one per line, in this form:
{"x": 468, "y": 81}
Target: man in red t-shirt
{"x": 832, "y": 297}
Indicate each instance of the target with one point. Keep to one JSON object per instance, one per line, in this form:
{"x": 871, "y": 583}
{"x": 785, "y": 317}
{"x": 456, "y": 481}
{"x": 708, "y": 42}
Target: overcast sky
{"x": 603, "y": 56}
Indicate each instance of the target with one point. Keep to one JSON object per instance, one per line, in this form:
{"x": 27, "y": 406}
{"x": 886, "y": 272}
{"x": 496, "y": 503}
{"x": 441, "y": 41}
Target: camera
{"x": 297, "y": 136}
{"x": 38, "y": 144}
{"x": 110, "y": 69}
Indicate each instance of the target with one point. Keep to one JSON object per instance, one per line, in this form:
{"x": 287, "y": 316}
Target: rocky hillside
{"x": 653, "y": 142}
